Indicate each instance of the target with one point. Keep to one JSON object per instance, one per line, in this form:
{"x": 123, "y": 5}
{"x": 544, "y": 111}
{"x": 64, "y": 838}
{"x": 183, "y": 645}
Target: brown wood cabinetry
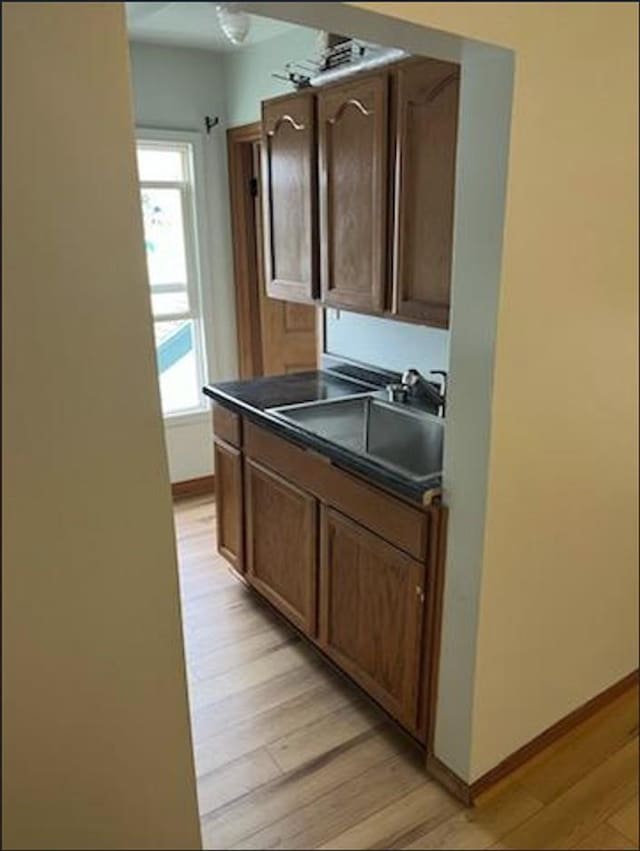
{"x": 289, "y": 169}
{"x": 281, "y": 544}
{"x": 425, "y": 94}
{"x": 404, "y": 525}
{"x": 353, "y": 143}
{"x": 344, "y": 561}
{"x": 229, "y": 509}
{"x": 385, "y": 184}
{"x": 227, "y": 426}
{"x": 371, "y": 610}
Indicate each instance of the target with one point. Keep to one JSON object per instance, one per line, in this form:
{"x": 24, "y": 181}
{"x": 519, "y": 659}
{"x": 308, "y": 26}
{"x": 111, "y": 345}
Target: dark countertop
{"x": 253, "y": 397}
{"x": 291, "y": 389}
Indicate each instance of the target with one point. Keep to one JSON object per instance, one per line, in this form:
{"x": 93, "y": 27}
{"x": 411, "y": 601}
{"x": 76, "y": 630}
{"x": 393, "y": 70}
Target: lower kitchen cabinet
{"x": 229, "y": 510}
{"x": 346, "y": 563}
{"x": 371, "y": 612}
{"x": 281, "y": 536}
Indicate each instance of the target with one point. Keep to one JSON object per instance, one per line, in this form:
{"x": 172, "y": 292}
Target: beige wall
{"x": 96, "y": 744}
{"x": 559, "y": 595}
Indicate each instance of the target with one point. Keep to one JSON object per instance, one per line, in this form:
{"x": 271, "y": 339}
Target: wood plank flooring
{"x": 289, "y": 755}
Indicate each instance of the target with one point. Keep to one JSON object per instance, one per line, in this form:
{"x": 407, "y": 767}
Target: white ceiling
{"x": 193, "y": 25}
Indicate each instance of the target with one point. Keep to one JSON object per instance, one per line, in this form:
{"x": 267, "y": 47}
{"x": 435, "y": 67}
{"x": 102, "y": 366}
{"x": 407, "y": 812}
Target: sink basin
{"x": 395, "y": 436}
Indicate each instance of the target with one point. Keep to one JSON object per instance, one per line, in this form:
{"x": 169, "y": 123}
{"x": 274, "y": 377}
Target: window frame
{"x": 193, "y": 211}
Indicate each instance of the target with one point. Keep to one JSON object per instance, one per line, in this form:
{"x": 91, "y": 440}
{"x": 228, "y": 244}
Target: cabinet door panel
{"x": 426, "y": 101}
{"x": 282, "y": 544}
{"x": 289, "y": 174}
{"x": 228, "y": 485}
{"x": 352, "y": 120}
{"x": 371, "y": 609}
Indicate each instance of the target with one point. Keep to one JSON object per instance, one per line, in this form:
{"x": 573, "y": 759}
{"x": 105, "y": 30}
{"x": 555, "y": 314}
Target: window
{"x": 167, "y": 192}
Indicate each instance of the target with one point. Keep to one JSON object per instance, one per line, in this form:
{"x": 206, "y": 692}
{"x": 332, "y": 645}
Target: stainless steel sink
{"x": 394, "y": 435}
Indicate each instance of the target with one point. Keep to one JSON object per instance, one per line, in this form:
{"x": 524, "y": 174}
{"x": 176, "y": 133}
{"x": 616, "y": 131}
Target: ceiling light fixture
{"x": 234, "y": 23}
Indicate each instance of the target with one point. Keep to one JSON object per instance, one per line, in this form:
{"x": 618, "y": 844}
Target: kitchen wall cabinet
{"x": 380, "y": 167}
{"x": 371, "y": 609}
{"x": 281, "y": 544}
{"x": 229, "y": 509}
{"x": 353, "y": 156}
{"x": 289, "y": 165}
{"x": 425, "y": 94}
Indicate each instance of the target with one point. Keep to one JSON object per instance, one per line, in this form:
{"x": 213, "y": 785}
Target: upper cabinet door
{"x": 426, "y": 120}
{"x": 353, "y": 147}
{"x": 289, "y": 175}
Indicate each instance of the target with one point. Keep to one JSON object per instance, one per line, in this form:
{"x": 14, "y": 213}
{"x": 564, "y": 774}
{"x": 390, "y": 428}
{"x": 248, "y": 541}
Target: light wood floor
{"x": 288, "y": 755}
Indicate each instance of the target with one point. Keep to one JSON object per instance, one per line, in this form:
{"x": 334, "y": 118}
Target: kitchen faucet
{"x": 415, "y": 385}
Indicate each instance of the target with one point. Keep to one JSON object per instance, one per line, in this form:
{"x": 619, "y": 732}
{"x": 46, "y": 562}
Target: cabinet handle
{"x": 420, "y": 593}
{"x": 282, "y": 119}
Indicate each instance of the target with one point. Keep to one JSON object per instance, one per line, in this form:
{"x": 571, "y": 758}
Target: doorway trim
{"x": 243, "y": 228}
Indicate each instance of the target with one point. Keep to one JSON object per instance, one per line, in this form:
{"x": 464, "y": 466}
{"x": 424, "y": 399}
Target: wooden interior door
{"x": 290, "y": 197}
{"x": 353, "y": 150}
{"x": 426, "y": 110}
{"x": 281, "y": 544}
{"x": 274, "y": 336}
{"x": 371, "y": 612}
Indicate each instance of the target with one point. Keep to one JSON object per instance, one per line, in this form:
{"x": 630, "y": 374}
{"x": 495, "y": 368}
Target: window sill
{"x": 187, "y": 418}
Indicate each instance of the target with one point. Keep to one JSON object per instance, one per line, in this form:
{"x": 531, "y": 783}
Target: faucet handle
{"x": 443, "y": 388}
{"x": 443, "y": 373}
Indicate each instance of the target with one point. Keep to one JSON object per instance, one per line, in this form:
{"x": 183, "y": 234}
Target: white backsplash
{"x": 385, "y": 343}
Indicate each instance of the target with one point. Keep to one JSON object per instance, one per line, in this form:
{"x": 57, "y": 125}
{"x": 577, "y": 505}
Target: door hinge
{"x": 253, "y": 187}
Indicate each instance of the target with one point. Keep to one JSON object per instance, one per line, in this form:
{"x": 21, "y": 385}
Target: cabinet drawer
{"x": 227, "y": 425}
{"x": 395, "y": 521}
